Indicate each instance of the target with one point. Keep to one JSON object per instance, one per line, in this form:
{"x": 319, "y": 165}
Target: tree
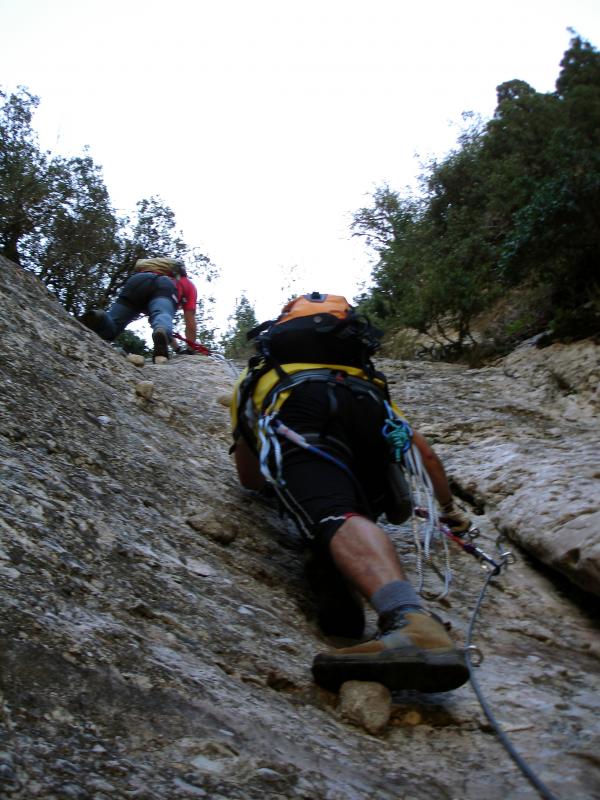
{"x": 25, "y": 187}
{"x": 388, "y": 226}
{"x": 243, "y": 319}
{"x": 132, "y": 343}
{"x": 385, "y": 221}
{"x": 150, "y": 232}
{"x": 57, "y": 220}
{"x": 205, "y": 322}
{"x": 580, "y": 66}
{"x": 55, "y": 214}
{"x": 516, "y": 203}
{"x": 555, "y": 235}
{"x": 75, "y": 249}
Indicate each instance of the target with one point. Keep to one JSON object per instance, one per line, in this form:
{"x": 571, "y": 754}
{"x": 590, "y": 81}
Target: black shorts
{"x": 319, "y": 494}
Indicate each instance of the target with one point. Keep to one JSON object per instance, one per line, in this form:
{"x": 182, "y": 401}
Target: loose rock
{"x": 145, "y": 389}
{"x": 366, "y": 704}
{"x": 136, "y": 359}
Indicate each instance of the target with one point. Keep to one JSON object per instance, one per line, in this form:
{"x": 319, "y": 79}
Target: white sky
{"x": 264, "y": 125}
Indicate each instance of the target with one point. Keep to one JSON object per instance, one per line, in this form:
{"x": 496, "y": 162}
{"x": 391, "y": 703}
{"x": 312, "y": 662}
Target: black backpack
{"x": 317, "y": 329}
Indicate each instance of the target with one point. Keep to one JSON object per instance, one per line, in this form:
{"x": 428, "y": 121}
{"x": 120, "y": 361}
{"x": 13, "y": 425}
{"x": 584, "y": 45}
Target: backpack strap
{"x": 331, "y": 375}
{"x": 252, "y": 334}
{"x": 256, "y": 369}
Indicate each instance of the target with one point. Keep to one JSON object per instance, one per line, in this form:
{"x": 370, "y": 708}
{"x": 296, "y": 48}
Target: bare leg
{"x": 413, "y": 650}
{"x": 365, "y": 555}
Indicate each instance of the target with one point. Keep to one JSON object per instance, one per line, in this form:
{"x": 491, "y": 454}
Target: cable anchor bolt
{"x": 474, "y": 655}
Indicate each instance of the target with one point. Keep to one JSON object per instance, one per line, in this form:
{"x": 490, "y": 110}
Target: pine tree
{"x": 243, "y": 319}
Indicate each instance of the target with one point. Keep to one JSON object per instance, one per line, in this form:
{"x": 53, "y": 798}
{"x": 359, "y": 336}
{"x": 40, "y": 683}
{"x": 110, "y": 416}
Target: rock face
{"x": 156, "y": 632}
{"x": 522, "y": 441}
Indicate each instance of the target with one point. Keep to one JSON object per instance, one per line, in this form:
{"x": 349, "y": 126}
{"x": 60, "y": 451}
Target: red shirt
{"x": 186, "y": 294}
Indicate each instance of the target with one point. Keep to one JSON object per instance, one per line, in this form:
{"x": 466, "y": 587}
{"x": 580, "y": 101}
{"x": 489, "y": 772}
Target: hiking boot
{"x": 340, "y": 610}
{"x": 93, "y": 319}
{"x": 412, "y": 651}
{"x": 161, "y": 344}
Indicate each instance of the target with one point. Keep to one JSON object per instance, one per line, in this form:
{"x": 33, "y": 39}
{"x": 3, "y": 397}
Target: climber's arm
{"x": 189, "y": 318}
{"x": 453, "y": 517}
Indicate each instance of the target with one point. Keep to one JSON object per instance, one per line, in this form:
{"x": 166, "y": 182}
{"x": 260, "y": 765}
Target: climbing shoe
{"x": 92, "y": 319}
{"x": 340, "y": 610}
{"x": 161, "y": 344}
{"x": 411, "y": 651}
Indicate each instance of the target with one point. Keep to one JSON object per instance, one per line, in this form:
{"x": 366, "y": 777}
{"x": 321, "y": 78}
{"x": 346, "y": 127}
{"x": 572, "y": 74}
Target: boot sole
{"x": 161, "y": 345}
{"x": 423, "y": 670}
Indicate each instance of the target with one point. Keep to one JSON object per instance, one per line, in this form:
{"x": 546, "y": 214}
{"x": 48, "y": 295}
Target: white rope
{"x": 219, "y": 358}
{"x": 425, "y": 497}
{"x": 429, "y": 535}
{"x": 269, "y": 441}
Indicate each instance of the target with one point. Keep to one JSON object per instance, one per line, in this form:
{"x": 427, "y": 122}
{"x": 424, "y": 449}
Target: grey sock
{"x": 396, "y": 594}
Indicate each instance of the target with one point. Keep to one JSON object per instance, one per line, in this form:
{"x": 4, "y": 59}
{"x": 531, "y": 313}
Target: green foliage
{"x": 132, "y": 343}
{"x": 517, "y": 202}
{"x": 150, "y": 232}
{"x": 74, "y": 248}
{"x": 206, "y": 327}
{"x": 401, "y": 344}
{"x": 580, "y": 67}
{"x": 234, "y": 343}
{"x": 56, "y": 218}
{"x": 25, "y": 186}
{"x": 205, "y": 322}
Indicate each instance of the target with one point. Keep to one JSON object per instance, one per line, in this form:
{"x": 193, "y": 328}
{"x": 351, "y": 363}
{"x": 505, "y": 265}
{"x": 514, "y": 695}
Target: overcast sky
{"x": 264, "y": 125}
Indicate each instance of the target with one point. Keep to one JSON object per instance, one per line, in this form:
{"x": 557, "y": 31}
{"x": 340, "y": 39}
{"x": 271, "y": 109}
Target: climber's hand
{"x": 454, "y": 518}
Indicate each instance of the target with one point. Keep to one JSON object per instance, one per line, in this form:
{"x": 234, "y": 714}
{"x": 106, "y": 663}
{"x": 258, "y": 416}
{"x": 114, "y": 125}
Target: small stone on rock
{"x": 136, "y": 360}
{"x": 365, "y": 703}
{"x": 145, "y": 389}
